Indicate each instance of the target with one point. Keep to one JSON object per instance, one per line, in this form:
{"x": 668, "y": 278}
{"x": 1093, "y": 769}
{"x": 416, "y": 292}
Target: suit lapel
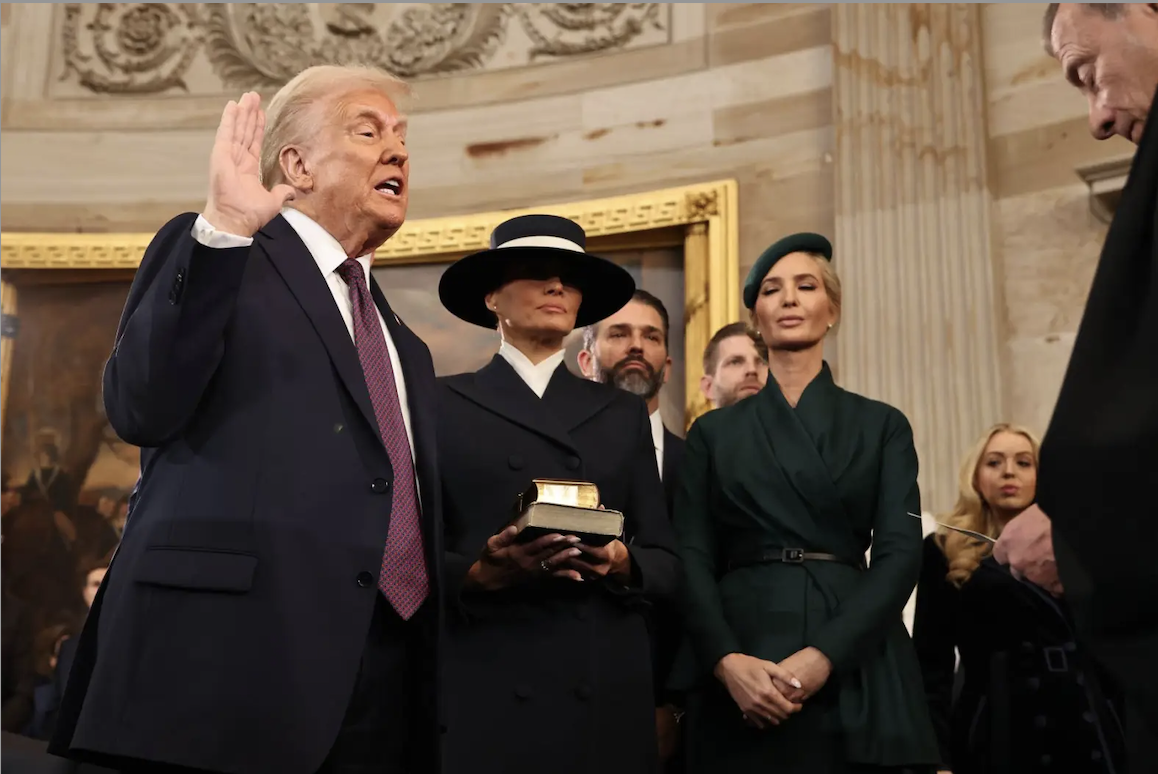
{"x": 574, "y": 400}
{"x": 497, "y": 388}
{"x": 297, "y": 267}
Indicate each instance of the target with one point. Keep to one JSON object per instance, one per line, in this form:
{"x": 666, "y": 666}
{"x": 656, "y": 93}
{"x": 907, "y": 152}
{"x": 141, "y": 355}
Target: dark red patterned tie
{"x": 403, "y": 578}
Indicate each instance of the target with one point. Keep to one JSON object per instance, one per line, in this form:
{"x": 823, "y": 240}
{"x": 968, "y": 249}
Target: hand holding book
{"x": 608, "y": 561}
{"x": 506, "y": 562}
{"x": 559, "y": 530}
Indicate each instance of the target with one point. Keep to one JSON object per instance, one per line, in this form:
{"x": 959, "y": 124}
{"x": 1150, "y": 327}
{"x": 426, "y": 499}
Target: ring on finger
{"x": 545, "y": 567}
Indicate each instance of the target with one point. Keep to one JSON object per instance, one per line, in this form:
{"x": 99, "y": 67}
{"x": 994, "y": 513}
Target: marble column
{"x": 921, "y": 327}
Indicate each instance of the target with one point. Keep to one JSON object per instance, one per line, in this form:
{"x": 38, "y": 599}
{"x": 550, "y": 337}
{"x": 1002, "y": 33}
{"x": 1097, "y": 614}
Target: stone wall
{"x": 516, "y": 104}
{"x": 1047, "y": 238}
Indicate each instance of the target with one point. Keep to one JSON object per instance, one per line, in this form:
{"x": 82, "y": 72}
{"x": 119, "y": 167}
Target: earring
{"x": 830, "y": 326}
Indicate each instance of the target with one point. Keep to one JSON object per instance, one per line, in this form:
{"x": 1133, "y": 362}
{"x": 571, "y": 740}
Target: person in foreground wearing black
{"x": 1031, "y": 698}
{"x": 548, "y": 660}
{"x": 273, "y": 605}
{"x": 1095, "y": 490}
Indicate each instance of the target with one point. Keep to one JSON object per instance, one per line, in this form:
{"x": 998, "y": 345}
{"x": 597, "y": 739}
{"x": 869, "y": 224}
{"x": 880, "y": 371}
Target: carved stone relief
{"x": 158, "y": 48}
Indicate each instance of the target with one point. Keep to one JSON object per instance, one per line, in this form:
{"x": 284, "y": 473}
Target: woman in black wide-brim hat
{"x": 547, "y": 661}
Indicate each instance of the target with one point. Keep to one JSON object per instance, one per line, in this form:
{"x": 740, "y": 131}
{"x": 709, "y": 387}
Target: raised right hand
{"x": 238, "y": 203}
{"x": 749, "y": 682}
{"x": 504, "y": 562}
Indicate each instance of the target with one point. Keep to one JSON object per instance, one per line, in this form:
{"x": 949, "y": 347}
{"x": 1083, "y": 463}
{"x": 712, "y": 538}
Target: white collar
{"x": 657, "y": 430}
{"x": 326, "y": 250}
{"x": 537, "y": 376}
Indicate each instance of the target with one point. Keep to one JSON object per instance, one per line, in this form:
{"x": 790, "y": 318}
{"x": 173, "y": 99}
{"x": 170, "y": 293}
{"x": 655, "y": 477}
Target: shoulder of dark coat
{"x": 721, "y": 420}
{"x": 889, "y": 415}
{"x": 456, "y": 380}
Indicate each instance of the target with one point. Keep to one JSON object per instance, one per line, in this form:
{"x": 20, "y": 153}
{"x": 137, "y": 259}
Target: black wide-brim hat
{"x": 535, "y": 247}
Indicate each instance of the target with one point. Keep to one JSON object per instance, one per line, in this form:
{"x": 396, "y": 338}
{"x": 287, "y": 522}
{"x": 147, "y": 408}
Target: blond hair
{"x": 293, "y": 115}
{"x": 962, "y": 552}
{"x": 832, "y": 288}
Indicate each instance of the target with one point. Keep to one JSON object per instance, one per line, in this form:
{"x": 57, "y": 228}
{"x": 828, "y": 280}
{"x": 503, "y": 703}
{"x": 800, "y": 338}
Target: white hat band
{"x": 542, "y": 241}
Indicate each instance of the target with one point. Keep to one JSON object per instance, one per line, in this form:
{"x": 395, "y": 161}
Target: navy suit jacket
{"x": 229, "y": 630}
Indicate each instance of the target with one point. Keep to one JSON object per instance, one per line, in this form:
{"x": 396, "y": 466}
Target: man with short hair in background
{"x": 1095, "y": 494}
{"x": 630, "y": 350}
{"x": 735, "y": 365}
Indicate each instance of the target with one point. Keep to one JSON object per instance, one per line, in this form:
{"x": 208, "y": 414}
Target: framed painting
{"x": 67, "y": 475}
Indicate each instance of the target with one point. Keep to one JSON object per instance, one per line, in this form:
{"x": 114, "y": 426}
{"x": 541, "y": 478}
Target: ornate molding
{"x": 132, "y": 48}
{"x": 1106, "y": 179}
{"x": 418, "y": 239}
{"x": 707, "y": 212}
{"x": 147, "y": 48}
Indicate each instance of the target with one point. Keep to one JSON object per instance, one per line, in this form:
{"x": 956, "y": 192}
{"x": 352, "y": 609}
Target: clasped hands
{"x": 505, "y": 563}
{"x": 767, "y": 692}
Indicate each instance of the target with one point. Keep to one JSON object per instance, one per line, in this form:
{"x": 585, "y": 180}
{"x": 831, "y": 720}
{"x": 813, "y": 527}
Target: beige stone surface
{"x": 1047, "y": 239}
{"x": 732, "y": 90}
{"x": 921, "y": 319}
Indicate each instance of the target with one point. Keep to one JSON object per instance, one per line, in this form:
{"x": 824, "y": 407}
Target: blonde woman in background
{"x": 1029, "y": 699}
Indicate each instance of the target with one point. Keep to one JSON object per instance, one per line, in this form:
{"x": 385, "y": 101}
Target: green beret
{"x": 804, "y": 242}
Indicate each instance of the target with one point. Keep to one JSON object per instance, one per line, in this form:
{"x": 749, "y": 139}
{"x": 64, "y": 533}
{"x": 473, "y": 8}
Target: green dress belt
{"x": 739, "y": 559}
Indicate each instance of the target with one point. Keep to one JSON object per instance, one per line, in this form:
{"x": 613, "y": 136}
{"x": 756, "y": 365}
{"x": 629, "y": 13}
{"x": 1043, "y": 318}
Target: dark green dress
{"x": 823, "y": 477}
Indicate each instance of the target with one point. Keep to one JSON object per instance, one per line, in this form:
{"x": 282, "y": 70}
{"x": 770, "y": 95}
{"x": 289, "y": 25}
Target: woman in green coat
{"x": 799, "y": 659}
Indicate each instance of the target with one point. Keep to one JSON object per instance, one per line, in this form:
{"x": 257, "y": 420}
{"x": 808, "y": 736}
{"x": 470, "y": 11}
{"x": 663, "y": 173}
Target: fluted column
{"x": 920, "y": 327}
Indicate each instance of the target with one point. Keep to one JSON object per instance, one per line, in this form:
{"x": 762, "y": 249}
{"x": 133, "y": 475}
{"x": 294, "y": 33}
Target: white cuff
{"x": 204, "y": 233}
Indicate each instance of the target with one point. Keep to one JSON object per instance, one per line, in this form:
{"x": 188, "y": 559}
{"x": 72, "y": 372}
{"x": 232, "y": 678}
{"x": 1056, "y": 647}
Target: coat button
{"x": 365, "y": 579}
{"x": 1071, "y": 647}
{"x": 572, "y": 463}
{"x": 581, "y": 613}
{"x": 337, "y": 427}
{"x": 515, "y": 462}
{"x": 1046, "y": 760}
{"x": 583, "y": 692}
{"x": 1034, "y": 683}
{"x": 1027, "y": 647}
{"x": 1088, "y": 716}
{"x": 523, "y": 692}
{"x": 379, "y": 486}
{"x": 1096, "y": 755}
{"x": 1041, "y": 721}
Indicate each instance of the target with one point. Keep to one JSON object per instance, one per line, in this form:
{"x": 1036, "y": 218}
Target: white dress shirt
{"x": 329, "y": 255}
{"x": 657, "y": 439}
{"x": 537, "y": 376}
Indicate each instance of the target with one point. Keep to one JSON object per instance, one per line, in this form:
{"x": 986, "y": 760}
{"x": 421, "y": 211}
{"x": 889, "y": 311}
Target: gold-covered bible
{"x": 567, "y": 508}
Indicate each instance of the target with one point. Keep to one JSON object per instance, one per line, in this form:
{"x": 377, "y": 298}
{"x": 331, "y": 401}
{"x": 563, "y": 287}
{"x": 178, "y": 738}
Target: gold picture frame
{"x": 701, "y": 218}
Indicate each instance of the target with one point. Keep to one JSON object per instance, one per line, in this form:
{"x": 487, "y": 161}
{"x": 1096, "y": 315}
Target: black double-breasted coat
{"x": 1032, "y": 700}
{"x": 552, "y": 674}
